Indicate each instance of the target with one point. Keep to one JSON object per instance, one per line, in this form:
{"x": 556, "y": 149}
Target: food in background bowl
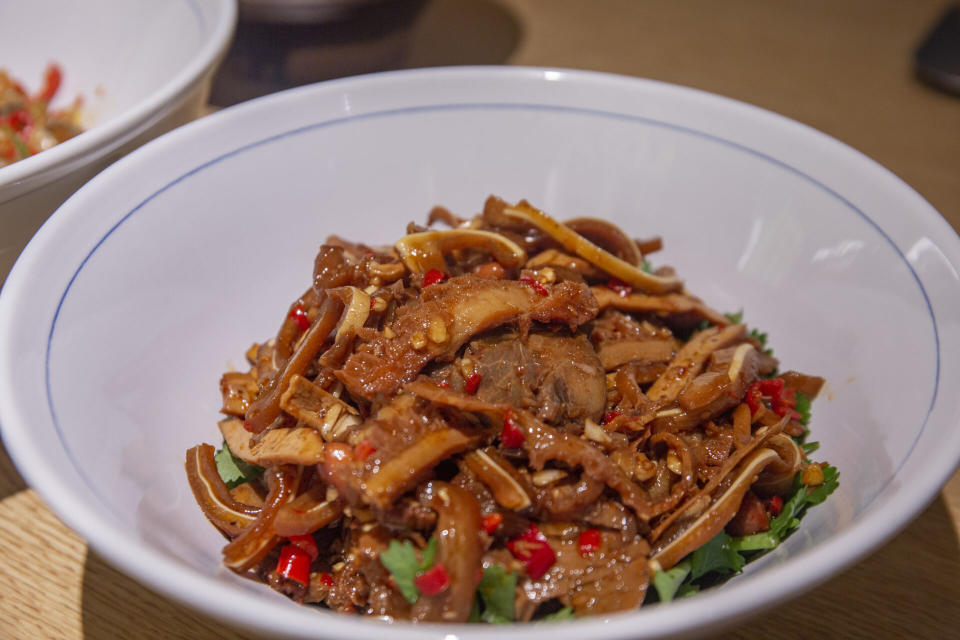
{"x": 512, "y": 419}
{"x": 27, "y": 123}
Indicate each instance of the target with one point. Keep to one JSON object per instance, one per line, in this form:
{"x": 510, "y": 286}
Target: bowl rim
{"x": 98, "y": 141}
{"x": 201, "y": 592}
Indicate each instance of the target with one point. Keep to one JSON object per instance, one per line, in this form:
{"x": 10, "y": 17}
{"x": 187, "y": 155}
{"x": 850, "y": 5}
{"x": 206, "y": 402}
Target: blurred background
{"x": 846, "y": 67}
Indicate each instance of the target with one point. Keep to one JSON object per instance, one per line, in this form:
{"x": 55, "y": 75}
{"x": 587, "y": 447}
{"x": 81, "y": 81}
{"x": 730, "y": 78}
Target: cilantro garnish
{"x": 715, "y": 556}
{"x": 723, "y": 555}
{"x": 803, "y": 407}
{"x": 497, "y": 591}
{"x": 401, "y": 561}
{"x": 734, "y": 318}
{"x": 234, "y": 471}
{"x": 793, "y": 510}
{"x": 810, "y": 447}
{"x": 646, "y": 267}
{"x": 667, "y": 583}
{"x": 761, "y": 337}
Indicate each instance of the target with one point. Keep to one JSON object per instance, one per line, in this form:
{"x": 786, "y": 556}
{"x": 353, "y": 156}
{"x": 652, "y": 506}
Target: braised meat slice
{"x": 557, "y": 376}
{"x": 446, "y": 316}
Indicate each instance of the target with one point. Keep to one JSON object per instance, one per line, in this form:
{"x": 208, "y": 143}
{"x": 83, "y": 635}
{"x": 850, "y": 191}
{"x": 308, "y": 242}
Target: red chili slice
{"x": 622, "y": 288}
{"x": 294, "y": 563}
{"x": 433, "y": 581}
{"x": 472, "y": 383}
{"x": 491, "y": 521}
{"x": 589, "y": 542}
{"x": 326, "y": 579}
{"x": 533, "y": 550}
{"x": 782, "y": 400}
{"x": 611, "y": 416}
{"x": 784, "y": 403}
{"x": 307, "y": 544}
{"x": 533, "y": 282}
{"x": 363, "y": 450}
{"x": 51, "y": 82}
{"x": 511, "y": 436}
{"x": 298, "y": 315}
{"x": 434, "y": 276}
{"x": 774, "y": 505}
{"x": 19, "y": 120}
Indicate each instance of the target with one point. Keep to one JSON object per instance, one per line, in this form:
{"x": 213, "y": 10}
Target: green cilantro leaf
{"x": 687, "y": 589}
{"x": 563, "y": 614}
{"x": 646, "y": 267}
{"x": 428, "y": 554}
{"x": 761, "y": 337}
{"x": 401, "y": 561}
{"x": 756, "y": 542}
{"x": 234, "y": 471}
{"x": 803, "y": 407}
{"x": 831, "y": 480}
{"x": 715, "y": 556}
{"x": 667, "y": 583}
{"x": 793, "y": 509}
{"x": 734, "y": 318}
{"x": 497, "y": 591}
{"x": 810, "y": 447}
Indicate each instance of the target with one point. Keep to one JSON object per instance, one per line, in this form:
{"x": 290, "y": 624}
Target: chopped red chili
{"x": 782, "y": 400}
{"x": 510, "y": 436}
{"x": 472, "y": 383}
{"x": 307, "y": 544}
{"x": 491, "y": 521}
{"x": 294, "y": 563}
{"x": 19, "y": 120}
{"x": 537, "y": 286}
{"x": 363, "y": 450}
{"x": 774, "y": 505}
{"x": 298, "y": 315}
{"x": 622, "y": 288}
{"x": 610, "y": 416}
{"x": 533, "y": 550}
{"x": 433, "y": 581}
{"x": 434, "y": 276}
{"x": 51, "y": 83}
{"x": 326, "y": 579}
{"x": 589, "y": 541}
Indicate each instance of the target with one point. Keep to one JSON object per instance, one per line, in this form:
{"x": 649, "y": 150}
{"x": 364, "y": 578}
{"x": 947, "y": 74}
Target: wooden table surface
{"x": 842, "y": 66}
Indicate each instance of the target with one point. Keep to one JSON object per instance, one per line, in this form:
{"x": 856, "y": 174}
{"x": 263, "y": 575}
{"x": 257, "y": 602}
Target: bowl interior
{"x": 175, "y": 260}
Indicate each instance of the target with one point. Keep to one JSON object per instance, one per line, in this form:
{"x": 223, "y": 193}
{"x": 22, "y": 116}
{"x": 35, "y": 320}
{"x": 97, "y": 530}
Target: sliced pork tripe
{"x": 459, "y": 552}
{"x": 728, "y": 375}
{"x": 690, "y": 360}
{"x": 446, "y": 316}
{"x": 665, "y": 305}
{"x": 543, "y": 443}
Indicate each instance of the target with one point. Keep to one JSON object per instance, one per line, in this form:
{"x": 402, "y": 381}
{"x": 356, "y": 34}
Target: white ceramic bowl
{"x": 142, "y": 68}
{"x": 124, "y": 309}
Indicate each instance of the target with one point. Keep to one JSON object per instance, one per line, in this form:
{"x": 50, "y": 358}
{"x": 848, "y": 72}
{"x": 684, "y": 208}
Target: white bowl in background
{"x": 142, "y": 68}
{"x": 152, "y": 279}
